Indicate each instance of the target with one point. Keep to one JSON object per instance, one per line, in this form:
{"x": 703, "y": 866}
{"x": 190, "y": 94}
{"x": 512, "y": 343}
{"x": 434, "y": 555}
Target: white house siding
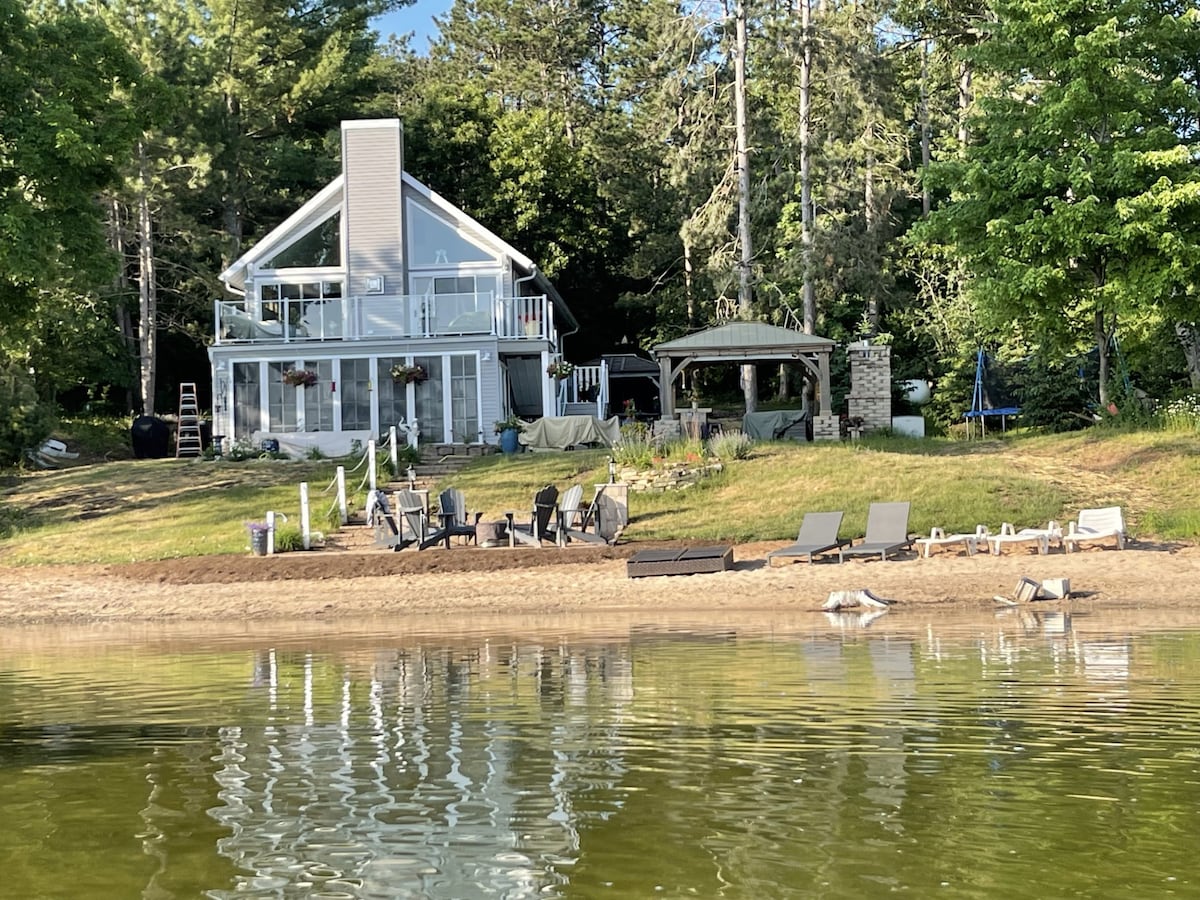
{"x": 372, "y": 162}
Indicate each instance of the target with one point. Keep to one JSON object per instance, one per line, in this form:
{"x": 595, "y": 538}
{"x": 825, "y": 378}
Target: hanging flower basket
{"x": 297, "y": 377}
{"x": 403, "y": 374}
{"x": 560, "y": 369}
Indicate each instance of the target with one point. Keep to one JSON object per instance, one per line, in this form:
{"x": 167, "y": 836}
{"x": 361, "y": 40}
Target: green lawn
{"x": 156, "y": 509}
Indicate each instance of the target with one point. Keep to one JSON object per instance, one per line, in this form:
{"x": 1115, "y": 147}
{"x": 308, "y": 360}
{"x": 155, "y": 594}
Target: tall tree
{"x": 1077, "y": 195}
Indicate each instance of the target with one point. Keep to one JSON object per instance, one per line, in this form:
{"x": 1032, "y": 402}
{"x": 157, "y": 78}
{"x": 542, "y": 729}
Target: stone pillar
{"x": 870, "y": 397}
{"x": 826, "y": 428}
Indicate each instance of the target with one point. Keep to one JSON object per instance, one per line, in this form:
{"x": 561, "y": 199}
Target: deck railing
{"x": 388, "y": 316}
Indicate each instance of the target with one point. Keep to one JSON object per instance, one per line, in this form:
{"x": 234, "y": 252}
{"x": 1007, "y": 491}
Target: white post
{"x": 343, "y": 511}
{"x": 270, "y": 532}
{"x": 371, "y": 462}
{"x": 395, "y": 450}
{"x": 304, "y": 529}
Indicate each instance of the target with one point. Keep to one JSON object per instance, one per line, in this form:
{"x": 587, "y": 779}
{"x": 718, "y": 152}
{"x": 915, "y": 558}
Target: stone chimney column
{"x": 870, "y": 397}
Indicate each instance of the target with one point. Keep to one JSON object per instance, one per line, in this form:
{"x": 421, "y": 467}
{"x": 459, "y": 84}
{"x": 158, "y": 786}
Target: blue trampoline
{"x": 989, "y": 398}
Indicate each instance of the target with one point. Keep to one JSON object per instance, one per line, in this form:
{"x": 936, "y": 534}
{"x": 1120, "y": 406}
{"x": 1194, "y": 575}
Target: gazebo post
{"x": 666, "y": 390}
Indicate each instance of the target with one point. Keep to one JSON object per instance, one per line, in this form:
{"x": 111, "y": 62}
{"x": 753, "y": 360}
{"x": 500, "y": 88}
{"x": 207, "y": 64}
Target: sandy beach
{"x": 466, "y": 581}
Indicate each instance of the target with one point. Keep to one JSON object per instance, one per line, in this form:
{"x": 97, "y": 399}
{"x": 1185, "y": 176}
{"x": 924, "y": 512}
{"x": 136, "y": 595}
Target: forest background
{"x": 1021, "y": 175}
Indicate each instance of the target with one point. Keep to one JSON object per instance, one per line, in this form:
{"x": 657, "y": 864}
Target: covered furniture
{"x": 887, "y": 532}
{"x": 1096, "y": 525}
{"x": 818, "y": 534}
{"x": 561, "y": 432}
{"x": 1042, "y": 537}
{"x": 776, "y": 425}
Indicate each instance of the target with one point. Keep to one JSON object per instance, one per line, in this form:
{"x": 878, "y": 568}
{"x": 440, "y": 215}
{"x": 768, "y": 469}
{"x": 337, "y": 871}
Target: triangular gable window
{"x": 320, "y": 247}
{"x": 432, "y": 242}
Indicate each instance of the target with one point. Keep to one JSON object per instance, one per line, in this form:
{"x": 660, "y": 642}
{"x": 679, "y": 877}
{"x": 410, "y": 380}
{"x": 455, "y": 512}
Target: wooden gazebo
{"x": 742, "y": 343}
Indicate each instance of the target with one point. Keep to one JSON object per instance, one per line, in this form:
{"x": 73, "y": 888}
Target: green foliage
{"x": 731, "y": 445}
{"x": 288, "y": 539}
{"x": 1181, "y": 414}
{"x": 25, "y": 420}
{"x": 636, "y": 448}
{"x": 1052, "y": 396}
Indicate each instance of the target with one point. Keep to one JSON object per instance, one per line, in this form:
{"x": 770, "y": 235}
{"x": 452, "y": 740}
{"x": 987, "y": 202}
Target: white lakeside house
{"x": 373, "y": 272}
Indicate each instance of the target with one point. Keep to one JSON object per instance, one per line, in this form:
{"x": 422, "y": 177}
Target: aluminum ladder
{"x": 188, "y": 441}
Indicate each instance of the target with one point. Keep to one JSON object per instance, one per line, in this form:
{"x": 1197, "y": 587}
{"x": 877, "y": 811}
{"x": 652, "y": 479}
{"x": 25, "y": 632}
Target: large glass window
{"x": 457, "y": 304}
{"x": 320, "y": 247}
{"x": 393, "y": 398}
{"x": 354, "y": 387}
{"x": 318, "y": 398}
{"x": 434, "y": 242}
{"x": 464, "y": 399}
{"x": 247, "y": 400}
{"x": 430, "y": 402}
{"x": 281, "y": 399}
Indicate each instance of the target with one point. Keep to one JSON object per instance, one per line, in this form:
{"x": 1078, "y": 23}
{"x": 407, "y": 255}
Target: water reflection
{"x": 677, "y": 758}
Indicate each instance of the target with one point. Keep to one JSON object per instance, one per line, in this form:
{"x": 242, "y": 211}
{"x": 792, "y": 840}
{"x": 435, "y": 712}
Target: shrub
{"x": 25, "y": 421}
{"x": 733, "y": 445}
{"x": 1181, "y": 414}
{"x": 636, "y": 447}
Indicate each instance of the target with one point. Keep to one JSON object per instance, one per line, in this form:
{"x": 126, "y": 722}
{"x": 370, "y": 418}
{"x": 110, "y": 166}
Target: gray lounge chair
{"x": 887, "y": 532}
{"x": 818, "y": 534}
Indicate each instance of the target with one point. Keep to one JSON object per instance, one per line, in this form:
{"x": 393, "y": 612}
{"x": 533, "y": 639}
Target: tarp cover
{"x": 777, "y": 424}
{"x": 299, "y": 444}
{"x": 561, "y": 432}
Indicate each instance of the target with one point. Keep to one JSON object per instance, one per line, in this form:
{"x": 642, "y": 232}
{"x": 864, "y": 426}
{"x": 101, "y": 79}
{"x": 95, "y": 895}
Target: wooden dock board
{"x": 691, "y": 561}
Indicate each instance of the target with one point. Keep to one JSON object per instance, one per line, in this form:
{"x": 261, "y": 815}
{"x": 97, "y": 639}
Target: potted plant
{"x": 298, "y": 377}
{"x": 560, "y": 369}
{"x": 405, "y": 374}
{"x": 508, "y": 428}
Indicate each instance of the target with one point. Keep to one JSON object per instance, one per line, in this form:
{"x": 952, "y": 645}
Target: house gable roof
{"x": 330, "y": 199}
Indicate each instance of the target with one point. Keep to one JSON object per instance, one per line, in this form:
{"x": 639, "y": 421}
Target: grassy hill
{"x": 132, "y": 510}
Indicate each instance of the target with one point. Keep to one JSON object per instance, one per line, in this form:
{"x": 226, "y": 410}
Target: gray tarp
{"x": 778, "y": 424}
{"x": 560, "y": 432}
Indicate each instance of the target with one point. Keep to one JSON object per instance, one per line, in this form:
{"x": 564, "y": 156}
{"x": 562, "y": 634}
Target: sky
{"x": 417, "y": 18}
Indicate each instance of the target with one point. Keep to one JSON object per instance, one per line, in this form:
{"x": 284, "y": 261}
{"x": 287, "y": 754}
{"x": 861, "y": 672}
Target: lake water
{"x": 1030, "y": 754}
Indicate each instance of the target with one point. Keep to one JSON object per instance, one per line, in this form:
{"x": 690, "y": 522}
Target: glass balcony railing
{"x": 395, "y": 316}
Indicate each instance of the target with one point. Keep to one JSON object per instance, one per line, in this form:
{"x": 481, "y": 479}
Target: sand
{"x": 588, "y": 581}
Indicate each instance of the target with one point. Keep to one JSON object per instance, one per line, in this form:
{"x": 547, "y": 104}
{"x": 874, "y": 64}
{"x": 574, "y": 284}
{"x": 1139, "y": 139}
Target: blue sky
{"x": 417, "y": 18}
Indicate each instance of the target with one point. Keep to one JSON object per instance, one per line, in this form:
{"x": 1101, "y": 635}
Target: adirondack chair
{"x": 1096, "y": 525}
{"x": 455, "y": 520}
{"x": 545, "y": 505}
{"x": 413, "y": 522}
{"x": 574, "y": 518}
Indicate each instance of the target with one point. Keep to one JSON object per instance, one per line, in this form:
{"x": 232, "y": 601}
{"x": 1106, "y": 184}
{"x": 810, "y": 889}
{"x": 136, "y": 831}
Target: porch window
{"x": 247, "y": 399}
{"x": 354, "y": 386}
{"x": 281, "y": 399}
{"x": 392, "y": 396}
{"x": 464, "y": 398}
{"x": 430, "y": 402}
{"x": 318, "y": 398}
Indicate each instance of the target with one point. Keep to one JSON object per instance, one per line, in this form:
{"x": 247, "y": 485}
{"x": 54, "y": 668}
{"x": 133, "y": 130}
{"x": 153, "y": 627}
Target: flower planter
{"x": 509, "y": 442}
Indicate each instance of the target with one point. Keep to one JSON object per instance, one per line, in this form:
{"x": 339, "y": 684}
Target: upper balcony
{"x": 393, "y": 316}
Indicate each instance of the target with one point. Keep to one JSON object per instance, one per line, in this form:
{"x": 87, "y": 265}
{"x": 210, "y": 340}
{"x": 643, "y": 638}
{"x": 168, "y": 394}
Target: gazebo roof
{"x": 745, "y": 340}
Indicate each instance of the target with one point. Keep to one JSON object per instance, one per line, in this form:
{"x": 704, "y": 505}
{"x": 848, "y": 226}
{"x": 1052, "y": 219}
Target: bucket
{"x": 258, "y": 541}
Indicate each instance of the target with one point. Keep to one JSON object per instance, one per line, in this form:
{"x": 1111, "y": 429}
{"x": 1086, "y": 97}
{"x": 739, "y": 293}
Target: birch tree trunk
{"x": 749, "y": 380}
{"x": 147, "y": 288}
{"x": 1189, "y": 339}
